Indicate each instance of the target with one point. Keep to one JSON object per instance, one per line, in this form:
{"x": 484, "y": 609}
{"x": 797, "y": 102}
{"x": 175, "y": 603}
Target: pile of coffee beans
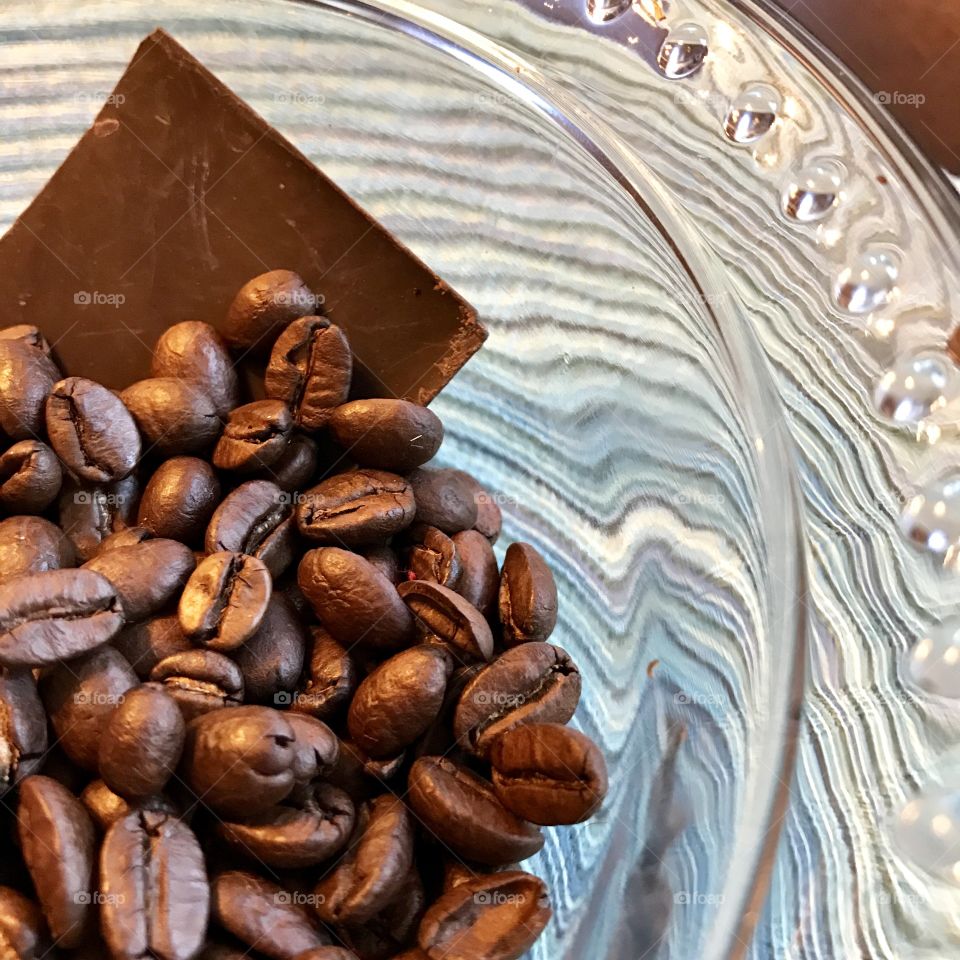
{"x": 265, "y": 690}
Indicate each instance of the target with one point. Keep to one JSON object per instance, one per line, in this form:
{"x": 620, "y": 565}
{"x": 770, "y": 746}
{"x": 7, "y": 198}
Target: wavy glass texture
{"x": 619, "y": 411}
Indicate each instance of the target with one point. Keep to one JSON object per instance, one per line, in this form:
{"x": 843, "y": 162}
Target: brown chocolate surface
{"x": 180, "y": 193}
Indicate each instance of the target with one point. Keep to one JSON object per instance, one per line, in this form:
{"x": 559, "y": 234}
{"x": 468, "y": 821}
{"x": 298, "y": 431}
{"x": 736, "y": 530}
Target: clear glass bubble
{"x": 603, "y": 11}
{"x": 867, "y": 284}
{"x": 813, "y": 192}
{"x": 683, "y": 51}
{"x": 931, "y": 519}
{"x": 752, "y": 113}
{"x": 932, "y": 664}
{"x": 916, "y": 386}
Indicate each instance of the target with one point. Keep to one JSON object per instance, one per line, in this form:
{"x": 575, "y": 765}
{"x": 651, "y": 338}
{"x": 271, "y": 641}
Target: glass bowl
{"x": 620, "y": 413}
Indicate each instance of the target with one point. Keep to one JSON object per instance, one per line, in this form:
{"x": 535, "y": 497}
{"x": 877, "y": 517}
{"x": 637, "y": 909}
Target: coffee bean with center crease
{"x": 90, "y": 515}
{"x": 295, "y": 834}
{"x": 357, "y": 508}
{"x": 532, "y": 683}
{"x": 142, "y": 743}
{"x": 146, "y": 575}
{"x": 462, "y": 810}
{"x": 255, "y": 436}
{"x": 23, "y": 930}
{"x": 57, "y": 840}
{"x": 257, "y": 519}
{"x": 80, "y": 698}
{"x": 195, "y": 352}
{"x": 432, "y": 556}
{"x": 353, "y": 600}
{"x": 56, "y": 615}
{"x": 32, "y": 545}
{"x": 179, "y": 500}
{"x": 392, "y": 435}
{"x": 30, "y": 477}
{"x": 448, "y": 619}
{"x": 297, "y": 467}
{"x": 23, "y": 728}
{"x": 241, "y": 762}
{"x": 398, "y": 701}
{"x": 479, "y": 582}
{"x": 376, "y": 864}
{"x": 201, "y": 681}
{"x": 310, "y": 369}
{"x": 528, "y": 596}
{"x": 265, "y": 305}
{"x": 331, "y": 681}
{"x": 225, "y": 600}
{"x": 154, "y": 889}
{"x": 174, "y": 416}
{"x": 272, "y": 659}
{"x": 27, "y": 376}
{"x": 146, "y": 643}
{"x": 444, "y": 498}
{"x": 264, "y": 916}
{"x": 91, "y": 430}
{"x": 492, "y": 917}
{"x": 548, "y": 773}
{"x": 105, "y": 806}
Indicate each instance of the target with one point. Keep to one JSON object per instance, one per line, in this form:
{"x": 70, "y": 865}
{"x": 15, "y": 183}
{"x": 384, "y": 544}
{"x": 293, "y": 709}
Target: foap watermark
{"x": 699, "y": 699}
{"x": 708, "y": 98}
{"x": 304, "y": 700}
{"x": 497, "y": 698}
{"x": 686, "y": 898}
{"x": 97, "y": 298}
{"x": 95, "y": 897}
{"x": 298, "y": 898}
{"x": 98, "y": 698}
{"x": 99, "y": 97}
{"x": 491, "y": 99}
{"x": 898, "y": 98}
{"x": 301, "y": 98}
{"x": 698, "y": 498}
{"x": 100, "y": 498}
{"x": 902, "y": 900}
{"x": 497, "y": 898}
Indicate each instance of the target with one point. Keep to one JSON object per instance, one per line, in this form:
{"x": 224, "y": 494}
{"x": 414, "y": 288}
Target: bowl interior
{"x": 618, "y": 415}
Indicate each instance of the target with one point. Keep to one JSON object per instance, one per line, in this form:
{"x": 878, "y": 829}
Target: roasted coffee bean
{"x": 310, "y": 369}
{"x": 332, "y": 679}
{"x": 174, "y": 416}
{"x": 264, "y": 916}
{"x": 27, "y": 376}
{"x": 30, "y": 477}
{"x": 179, "y": 500}
{"x": 272, "y": 659}
{"x": 91, "y": 430}
{"x": 23, "y": 931}
{"x": 432, "y": 556}
{"x": 387, "y": 434}
{"x": 493, "y": 917}
{"x": 445, "y": 617}
{"x": 142, "y": 743}
{"x": 241, "y": 761}
{"x": 444, "y": 498}
{"x": 372, "y": 871}
{"x": 26, "y": 333}
{"x": 489, "y": 516}
{"x": 32, "y": 545}
{"x": 56, "y": 615}
{"x": 80, "y": 697}
{"x": 479, "y": 581}
{"x": 155, "y": 897}
{"x": 385, "y": 559}
{"x": 146, "y": 576}
{"x": 145, "y": 644}
{"x": 353, "y": 600}
{"x": 528, "y": 596}
{"x": 398, "y": 701}
{"x": 295, "y": 835}
{"x": 88, "y": 516}
{"x": 23, "y": 728}
{"x": 257, "y": 519}
{"x": 532, "y": 683}
{"x": 105, "y": 806}
{"x": 128, "y": 537}
{"x": 357, "y": 508}
{"x": 194, "y": 351}
{"x": 255, "y": 436}
{"x": 462, "y": 811}
{"x": 297, "y": 467}
{"x": 264, "y": 306}
{"x": 548, "y": 773}
{"x": 225, "y": 600}
{"x": 57, "y": 840}
{"x": 200, "y": 681}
